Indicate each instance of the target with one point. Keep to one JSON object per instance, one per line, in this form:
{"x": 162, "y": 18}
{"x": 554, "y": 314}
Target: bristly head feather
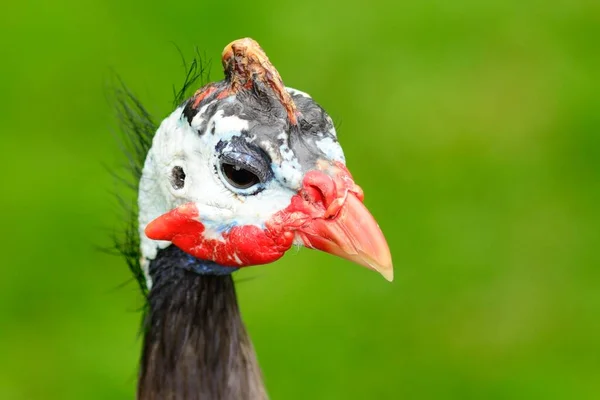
{"x": 136, "y": 129}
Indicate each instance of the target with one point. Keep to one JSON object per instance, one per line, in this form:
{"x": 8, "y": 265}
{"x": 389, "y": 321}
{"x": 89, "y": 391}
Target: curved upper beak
{"x": 352, "y": 234}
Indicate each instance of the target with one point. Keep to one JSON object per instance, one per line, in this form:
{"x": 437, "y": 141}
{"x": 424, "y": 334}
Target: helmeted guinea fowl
{"x": 234, "y": 177}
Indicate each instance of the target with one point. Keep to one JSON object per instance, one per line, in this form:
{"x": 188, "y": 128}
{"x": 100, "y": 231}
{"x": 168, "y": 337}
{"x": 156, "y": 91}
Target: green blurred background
{"x": 473, "y": 127}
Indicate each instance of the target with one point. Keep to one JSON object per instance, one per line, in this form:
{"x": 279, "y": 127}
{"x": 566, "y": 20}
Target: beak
{"x": 352, "y": 233}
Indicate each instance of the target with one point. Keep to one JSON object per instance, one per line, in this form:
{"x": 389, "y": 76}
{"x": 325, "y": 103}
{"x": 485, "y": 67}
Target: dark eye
{"x": 177, "y": 177}
{"x": 239, "y": 177}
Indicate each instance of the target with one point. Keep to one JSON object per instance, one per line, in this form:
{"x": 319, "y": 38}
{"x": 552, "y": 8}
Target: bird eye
{"x": 177, "y": 177}
{"x": 239, "y": 177}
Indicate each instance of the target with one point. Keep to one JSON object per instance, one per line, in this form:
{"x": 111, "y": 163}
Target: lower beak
{"x": 352, "y": 234}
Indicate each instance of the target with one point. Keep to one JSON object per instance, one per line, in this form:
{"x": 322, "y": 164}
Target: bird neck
{"x": 195, "y": 345}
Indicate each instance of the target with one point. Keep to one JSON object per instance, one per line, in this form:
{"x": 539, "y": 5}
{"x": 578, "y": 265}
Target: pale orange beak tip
{"x": 386, "y": 269}
{"x": 387, "y": 273}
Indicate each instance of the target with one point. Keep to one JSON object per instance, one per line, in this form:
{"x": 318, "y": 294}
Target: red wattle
{"x": 240, "y": 246}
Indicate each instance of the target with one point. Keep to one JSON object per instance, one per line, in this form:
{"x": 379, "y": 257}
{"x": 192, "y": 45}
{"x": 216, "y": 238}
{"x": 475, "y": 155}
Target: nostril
{"x": 320, "y": 187}
{"x": 327, "y": 192}
{"x": 314, "y": 195}
{"x": 330, "y": 206}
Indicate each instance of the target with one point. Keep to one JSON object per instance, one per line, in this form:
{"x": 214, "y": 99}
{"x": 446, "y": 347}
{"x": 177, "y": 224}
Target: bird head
{"x": 246, "y": 168}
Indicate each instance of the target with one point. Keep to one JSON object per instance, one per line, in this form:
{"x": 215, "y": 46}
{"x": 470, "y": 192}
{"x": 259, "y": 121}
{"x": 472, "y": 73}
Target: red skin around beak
{"x": 240, "y": 246}
{"x": 327, "y": 214}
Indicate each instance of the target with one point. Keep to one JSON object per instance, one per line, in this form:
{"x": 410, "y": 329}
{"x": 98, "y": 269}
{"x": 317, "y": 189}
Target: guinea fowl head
{"x": 246, "y": 168}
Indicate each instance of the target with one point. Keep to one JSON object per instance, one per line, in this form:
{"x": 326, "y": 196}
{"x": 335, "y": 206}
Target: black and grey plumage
{"x": 234, "y": 177}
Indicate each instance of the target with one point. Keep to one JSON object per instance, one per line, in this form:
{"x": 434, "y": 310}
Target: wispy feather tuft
{"x": 198, "y": 71}
{"x": 136, "y": 129}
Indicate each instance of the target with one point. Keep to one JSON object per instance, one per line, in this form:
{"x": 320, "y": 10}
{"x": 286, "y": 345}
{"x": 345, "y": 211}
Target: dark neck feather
{"x": 196, "y": 345}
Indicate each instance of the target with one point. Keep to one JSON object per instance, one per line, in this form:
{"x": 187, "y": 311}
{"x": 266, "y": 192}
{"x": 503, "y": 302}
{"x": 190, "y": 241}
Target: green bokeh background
{"x": 473, "y": 127}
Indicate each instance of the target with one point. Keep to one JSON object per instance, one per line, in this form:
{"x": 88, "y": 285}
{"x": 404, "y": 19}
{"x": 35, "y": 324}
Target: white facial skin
{"x": 177, "y": 144}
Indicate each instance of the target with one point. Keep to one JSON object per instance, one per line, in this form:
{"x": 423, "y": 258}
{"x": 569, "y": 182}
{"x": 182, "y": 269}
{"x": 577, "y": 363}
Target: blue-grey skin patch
{"x": 204, "y": 267}
{"x": 174, "y": 257}
{"x": 225, "y": 227}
